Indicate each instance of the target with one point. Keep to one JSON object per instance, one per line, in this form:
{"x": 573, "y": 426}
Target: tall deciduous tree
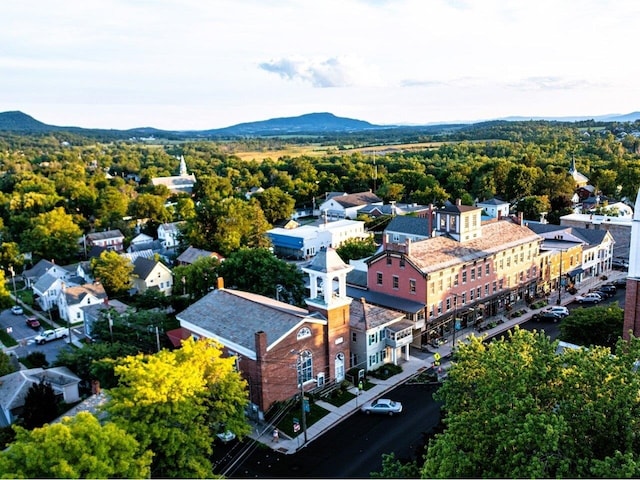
{"x": 196, "y": 279}
{"x": 40, "y": 405}
{"x": 601, "y": 325}
{"x": 173, "y": 402}
{"x": 54, "y": 235}
{"x": 114, "y": 271}
{"x": 259, "y": 271}
{"x": 516, "y": 408}
{"x": 276, "y": 204}
{"x": 77, "y": 447}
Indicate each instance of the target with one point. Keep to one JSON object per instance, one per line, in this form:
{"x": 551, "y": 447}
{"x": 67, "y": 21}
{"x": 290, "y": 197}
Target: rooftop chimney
{"x": 220, "y": 283}
{"x": 458, "y": 202}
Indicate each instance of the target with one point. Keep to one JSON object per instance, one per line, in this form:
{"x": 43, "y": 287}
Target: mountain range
{"x": 308, "y": 124}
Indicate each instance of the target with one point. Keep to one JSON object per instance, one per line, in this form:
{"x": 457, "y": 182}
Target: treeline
{"x": 55, "y": 187}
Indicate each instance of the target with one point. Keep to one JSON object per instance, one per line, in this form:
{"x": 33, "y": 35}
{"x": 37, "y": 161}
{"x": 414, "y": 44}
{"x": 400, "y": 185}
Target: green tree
{"x": 150, "y": 207}
{"x": 77, "y": 447}
{"x": 532, "y": 206}
{"x": 54, "y": 235}
{"x": 6, "y": 365}
{"x": 10, "y": 257}
{"x": 356, "y": 248}
{"x": 174, "y": 402}
{"x": 515, "y": 408}
{"x": 114, "y": 271}
{"x": 40, "y": 405}
{"x": 259, "y": 271}
{"x": 197, "y": 279}
{"x": 599, "y": 325}
{"x": 395, "y": 468}
{"x": 276, "y": 204}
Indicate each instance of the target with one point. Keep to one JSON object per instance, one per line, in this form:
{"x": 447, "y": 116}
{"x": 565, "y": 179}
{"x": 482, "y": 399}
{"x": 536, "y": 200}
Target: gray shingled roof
{"x": 363, "y": 315}
{"x": 104, "y": 235}
{"x": 357, "y": 199}
{"x": 142, "y": 267}
{"x": 409, "y": 225}
{"x": 236, "y": 316}
{"x": 76, "y": 294}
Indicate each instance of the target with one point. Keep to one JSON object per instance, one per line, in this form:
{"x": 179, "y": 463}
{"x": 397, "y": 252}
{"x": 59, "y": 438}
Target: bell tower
{"x": 632, "y": 295}
{"x": 328, "y": 296}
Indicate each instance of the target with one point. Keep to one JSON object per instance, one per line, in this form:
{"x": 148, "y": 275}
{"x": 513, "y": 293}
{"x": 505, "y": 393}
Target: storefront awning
{"x": 575, "y": 272}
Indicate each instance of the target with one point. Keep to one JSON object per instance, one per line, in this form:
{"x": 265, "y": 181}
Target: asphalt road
{"x": 352, "y": 449}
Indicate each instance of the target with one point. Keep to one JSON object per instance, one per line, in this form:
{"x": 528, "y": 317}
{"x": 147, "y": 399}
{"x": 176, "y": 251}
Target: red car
{"x": 33, "y": 322}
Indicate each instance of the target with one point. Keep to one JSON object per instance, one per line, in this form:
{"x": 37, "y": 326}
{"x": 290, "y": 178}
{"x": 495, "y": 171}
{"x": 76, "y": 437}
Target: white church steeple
{"x": 183, "y": 167}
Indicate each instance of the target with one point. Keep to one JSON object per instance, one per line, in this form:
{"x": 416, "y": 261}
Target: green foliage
{"x": 114, "y": 272}
{"x": 395, "y": 468}
{"x": 197, "y": 279}
{"x": 597, "y": 325}
{"x": 6, "y": 339}
{"x": 515, "y": 408}
{"x": 276, "y": 204}
{"x": 356, "y": 249}
{"x": 385, "y": 371}
{"x": 53, "y": 235}
{"x": 77, "y": 447}
{"x": 173, "y": 402}
{"x": 37, "y": 359}
{"x": 40, "y": 405}
{"x": 259, "y": 271}
{"x": 6, "y": 365}
{"x": 94, "y": 361}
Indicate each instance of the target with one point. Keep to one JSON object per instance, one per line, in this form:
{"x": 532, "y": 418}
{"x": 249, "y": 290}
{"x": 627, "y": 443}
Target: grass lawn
{"x": 339, "y": 397}
{"x": 286, "y": 424}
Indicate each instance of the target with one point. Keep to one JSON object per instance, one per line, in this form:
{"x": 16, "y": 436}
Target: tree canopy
{"x": 516, "y": 408}
{"x": 598, "y": 325}
{"x": 77, "y": 447}
{"x": 173, "y": 403}
{"x": 114, "y": 272}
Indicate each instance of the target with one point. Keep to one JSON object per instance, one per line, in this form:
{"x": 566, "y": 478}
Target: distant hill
{"x": 311, "y": 123}
{"x": 614, "y": 117}
{"x": 21, "y": 122}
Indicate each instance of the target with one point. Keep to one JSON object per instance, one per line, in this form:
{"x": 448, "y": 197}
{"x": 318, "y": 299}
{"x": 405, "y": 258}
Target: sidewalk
{"x": 417, "y": 362}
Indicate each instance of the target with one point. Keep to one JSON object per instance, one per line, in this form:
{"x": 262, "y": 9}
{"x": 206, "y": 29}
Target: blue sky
{"x": 199, "y": 64}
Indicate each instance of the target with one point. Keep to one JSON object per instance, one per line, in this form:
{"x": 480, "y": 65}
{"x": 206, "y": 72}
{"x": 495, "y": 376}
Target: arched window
{"x": 305, "y": 367}
{"x": 304, "y": 332}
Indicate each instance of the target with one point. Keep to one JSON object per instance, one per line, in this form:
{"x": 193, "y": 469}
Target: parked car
{"x": 619, "y": 283}
{"x": 17, "y": 310}
{"x": 604, "y": 293}
{"x": 382, "y": 405}
{"x": 619, "y": 264}
{"x": 610, "y": 289}
{"x": 589, "y": 298}
{"x": 560, "y": 310}
{"x": 32, "y": 322}
{"x": 546, "y": 315}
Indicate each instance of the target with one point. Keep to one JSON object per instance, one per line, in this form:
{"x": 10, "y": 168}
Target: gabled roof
{"x": 452, "y": 207}
{"x": 38, "y": 269}
{"x": 77, "y": 294}
{"x": 409, "y": 226}
{"x": 108, "y": 234}
{"x": 45, "y": 282}
{"x": 14, "y": 387}
{"x": 357, "y": 199}
{"x": 142, "y": 267}
{"x": 133, "y": 256}
{"x": 493, "y": 201}
{"x": 191, "y": 254}
{"x": 236, "y": 317}
{"x": 96, "y": 309}
{"x": 365, "y": 316}
{"x": 173, "y": 227}
{"x": 589, "y": 236}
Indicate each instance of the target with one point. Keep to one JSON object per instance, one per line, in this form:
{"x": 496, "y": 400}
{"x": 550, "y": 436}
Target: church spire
{"x": 183, "y": 166}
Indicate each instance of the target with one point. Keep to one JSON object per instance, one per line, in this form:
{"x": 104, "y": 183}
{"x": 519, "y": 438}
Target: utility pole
{"x": 13, "y": 278}
{"x": 303, "y": 411}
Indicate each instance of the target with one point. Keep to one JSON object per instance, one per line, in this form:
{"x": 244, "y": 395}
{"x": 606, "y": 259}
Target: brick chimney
{"x": 458, "y": 202}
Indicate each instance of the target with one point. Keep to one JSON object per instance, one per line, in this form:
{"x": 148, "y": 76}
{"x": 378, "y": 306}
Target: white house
{"x": 378, "y": 335}
{"x": 151, "y": 274}
{"x": 140, "y": 241}
{"x": 495, "y": 207}
{"x": 73, "y": 299}
{"x": 15, "y": 386}
{"x": 343, "y": 205}
{"x": 169, "y": 234}
{"x": 47, "y": 290}
{"x": 109, "y": 239}
{"x": 307, "y": 240}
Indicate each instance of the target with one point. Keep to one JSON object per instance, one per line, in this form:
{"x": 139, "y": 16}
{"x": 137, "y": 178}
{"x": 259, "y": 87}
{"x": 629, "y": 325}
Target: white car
{"x": 558, "y": 310}
{"x": 382, "y": 405}
{"x": 17, "y": 310}
{"x": 589, "y": 298}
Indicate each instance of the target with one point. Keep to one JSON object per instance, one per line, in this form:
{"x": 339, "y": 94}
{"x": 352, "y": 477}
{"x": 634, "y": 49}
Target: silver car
{"x": 382, "y": 405}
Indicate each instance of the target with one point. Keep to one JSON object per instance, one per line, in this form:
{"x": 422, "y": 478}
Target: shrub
{"x": 386, "y": 371}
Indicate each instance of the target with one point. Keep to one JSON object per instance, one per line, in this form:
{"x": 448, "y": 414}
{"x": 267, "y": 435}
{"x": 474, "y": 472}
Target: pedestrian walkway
{"x": 418, "y": 362}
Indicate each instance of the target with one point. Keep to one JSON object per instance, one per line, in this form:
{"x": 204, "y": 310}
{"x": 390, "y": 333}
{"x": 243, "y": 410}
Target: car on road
{"x": 619, "y": 282}
{"x": 560, "y": 310}
{"x": 546, "y": 315}
{"x": 50, "y": 335}
{"x": 609, "y": 289}
{"x": 382, "y": 405}
{"x": 32, "y": 322}
{"x": 620, "y": 264}
{"x": 604, "y": 293}
{"x": 17, "y": 310}
{"x": 589, "y": 298}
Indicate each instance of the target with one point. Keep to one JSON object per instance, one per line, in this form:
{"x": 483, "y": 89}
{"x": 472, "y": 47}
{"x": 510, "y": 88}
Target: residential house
{"x": 169, "y": 234}
{"x": 343, "y": 205}
{"x": 378, "y": 335}
{"x": 32, "y": 275}
{"x": 149, "y": 273}
{"x": 93, "y": 313}
{"x": 403, "y": 228}
{"x": 142, "y": 241}
{"x": 47, "y": 290}
{"x": 307, "y": 240}
{"x": 281, "y": 349}
{"x": 15, "y": 386}
{"x": 191, "y": 254}
{"x": 73, "y": 299}
{"x": 394, "y": 208}
{"x": 619, "y": 227}
{"x": 494, "y": 207}
{"x": 109, "y": 239}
